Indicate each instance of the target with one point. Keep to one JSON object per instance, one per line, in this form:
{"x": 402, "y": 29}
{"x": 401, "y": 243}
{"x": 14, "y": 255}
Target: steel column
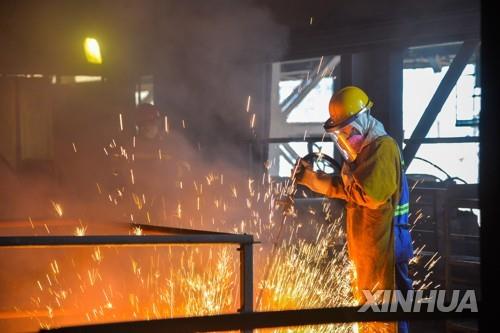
{"x": 345, "y": 70}
{"x": 379, "y": 72}
{"x": 462, "y": 139}
{"x": 246, "y": 279}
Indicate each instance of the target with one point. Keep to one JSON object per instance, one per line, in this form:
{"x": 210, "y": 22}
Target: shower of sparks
{"x": 179, "y": 211}
{"x": 54, "y": 267}
{"x": 306, "y": 275}
{"x": 137, "y": 201}
{"x": 80, "y": 231}
{"x": 74, "y": 147}
{"x": 137, "y": 231}
{"x": 188, "y": 280}
{"x": 57, "y": 208}
{"x": 248, "y": 103}
{"x": 252, "y": 121}
{"x": 97, "y": 255}
{"x": 166, "y": 124}
{"x": 121, "y": 122}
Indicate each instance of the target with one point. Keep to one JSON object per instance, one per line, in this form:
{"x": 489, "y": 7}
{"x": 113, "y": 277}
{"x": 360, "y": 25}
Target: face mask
{"x": 355, "y": 141}
{"x": 348, "y": 142}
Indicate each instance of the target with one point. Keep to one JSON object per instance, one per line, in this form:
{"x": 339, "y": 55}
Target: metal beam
{"x": 301, "y": 91}
{"x": 68, "y": 241}
{"x": 460, "y": 139}
{"x": 288, "y": 153}
{"x": 173, "y": 230}
{"x": 426, "y": 30}
{"x": 257, "y": 320}
{"x": 439, "y": 98}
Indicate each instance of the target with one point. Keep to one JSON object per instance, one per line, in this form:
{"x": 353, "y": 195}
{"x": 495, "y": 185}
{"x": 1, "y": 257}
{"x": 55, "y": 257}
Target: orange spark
{"x": 80, "y": 231}
{"x": 58, "y": 208}
{"x": 132, "y": 176}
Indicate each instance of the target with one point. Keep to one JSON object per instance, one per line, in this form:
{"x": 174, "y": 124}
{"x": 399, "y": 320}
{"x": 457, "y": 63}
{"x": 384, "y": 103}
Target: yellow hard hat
{"x": 345, "y": 104}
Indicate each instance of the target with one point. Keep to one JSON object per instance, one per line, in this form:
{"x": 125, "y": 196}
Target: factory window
{"x": 459, "y": 116}
{"x": 300, "y": 93}
{"x": 307, "y": 111}
{"x": 144, "y": 90}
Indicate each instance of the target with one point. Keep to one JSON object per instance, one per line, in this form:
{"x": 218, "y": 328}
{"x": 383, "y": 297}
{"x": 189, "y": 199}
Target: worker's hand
{"x": 318, "y": 182}
{"x": 301, "y": 171}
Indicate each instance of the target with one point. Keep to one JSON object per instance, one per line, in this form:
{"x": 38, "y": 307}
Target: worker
{"x": 146, "y": 163}
{"x": 373, "y": 184}
{"x": 158, "y": 164}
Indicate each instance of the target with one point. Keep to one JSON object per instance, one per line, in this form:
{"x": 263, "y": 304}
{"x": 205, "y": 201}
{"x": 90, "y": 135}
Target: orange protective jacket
{"x": 370, "y": 186}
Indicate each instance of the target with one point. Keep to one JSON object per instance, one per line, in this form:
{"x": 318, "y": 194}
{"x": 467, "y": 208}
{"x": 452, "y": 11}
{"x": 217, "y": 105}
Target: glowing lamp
{"x": 92, "y": 51}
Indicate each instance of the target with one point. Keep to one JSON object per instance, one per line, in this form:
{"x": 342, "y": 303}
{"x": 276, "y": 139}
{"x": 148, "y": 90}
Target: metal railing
{"x": 270, "y": 319}
{"x": 246, "y": 319}
{"x": 180, "y": 237}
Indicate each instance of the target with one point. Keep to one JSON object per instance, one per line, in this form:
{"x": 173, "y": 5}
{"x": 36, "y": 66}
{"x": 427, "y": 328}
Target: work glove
{"x": 318, "y": 182}
{"x": 302, "y": 171}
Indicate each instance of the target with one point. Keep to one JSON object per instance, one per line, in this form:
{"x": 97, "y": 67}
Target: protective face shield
{"x": 348, "y": 137}
{"x": 348, "y": 142}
